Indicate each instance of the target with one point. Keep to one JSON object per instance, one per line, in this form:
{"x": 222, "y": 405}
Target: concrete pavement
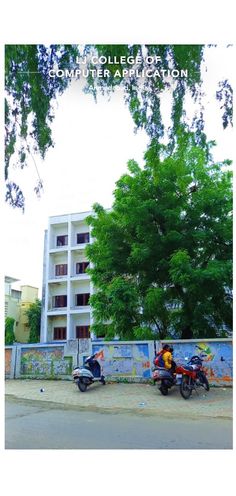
{"x": 144, "y": 399}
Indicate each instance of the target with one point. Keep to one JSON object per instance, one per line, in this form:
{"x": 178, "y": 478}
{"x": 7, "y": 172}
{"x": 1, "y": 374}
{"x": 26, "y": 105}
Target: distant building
{"x": 66, "y": 313}
{"x": 12, "y": 300}
{"x": 16, "y": 303}
{"x": 28, "y": 295}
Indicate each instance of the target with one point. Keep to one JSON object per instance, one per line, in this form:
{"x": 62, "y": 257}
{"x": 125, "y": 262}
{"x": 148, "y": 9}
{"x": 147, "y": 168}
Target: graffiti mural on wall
{"x": 8, "y": 356}
{"x": 127, "y": 359}
{"x": 45, "y": 361}
{"x": 84, "y": 345}
{"x": 217, "y": 358}
{"x": 124, "y": 359}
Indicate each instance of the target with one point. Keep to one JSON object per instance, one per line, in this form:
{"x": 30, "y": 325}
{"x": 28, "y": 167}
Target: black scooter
{"x": 166, "y": 378}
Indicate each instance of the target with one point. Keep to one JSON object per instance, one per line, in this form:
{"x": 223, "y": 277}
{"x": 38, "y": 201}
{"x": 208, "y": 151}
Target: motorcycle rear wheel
{"x": 185, "y": 387}
{"x": 82, "y": 386}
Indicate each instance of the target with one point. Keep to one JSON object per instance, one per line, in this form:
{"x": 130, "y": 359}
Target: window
{"x": 60, "y": 301}
{"x": 82, "y": 299}
{"x": 81, "y": 267}
{"x": 59, "y": 333}
{"x": 82, "y": 332}
{"x": 61, "y": 270}
{"x": 82, "y": 238}
{"x": 62, "y": 240}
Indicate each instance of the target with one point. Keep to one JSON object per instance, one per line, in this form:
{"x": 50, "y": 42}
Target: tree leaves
{"x": 225, "y": 96}
{"x": 9, "y": 331}
{"x": 33, "y": 314}
{"x": 31, "y": 92}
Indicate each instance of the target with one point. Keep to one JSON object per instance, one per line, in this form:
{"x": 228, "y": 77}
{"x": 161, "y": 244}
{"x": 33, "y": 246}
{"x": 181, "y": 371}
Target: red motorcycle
{"x": 193, "y": 376}
{"x": 188, "y": 377}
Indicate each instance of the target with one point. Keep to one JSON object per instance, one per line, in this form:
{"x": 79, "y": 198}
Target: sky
{"x": 93, "y": 143}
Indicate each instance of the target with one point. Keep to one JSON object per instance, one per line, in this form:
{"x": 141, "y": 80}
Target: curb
{"x": 147, "y": 412}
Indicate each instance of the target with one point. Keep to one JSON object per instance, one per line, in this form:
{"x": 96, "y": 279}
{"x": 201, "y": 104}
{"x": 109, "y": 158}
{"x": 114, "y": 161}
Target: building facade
{"x": 12, "y": 300}
{"x": 66, "y": 313}
{"x": 29, "y": 295}
{"x": 16, "y": 303}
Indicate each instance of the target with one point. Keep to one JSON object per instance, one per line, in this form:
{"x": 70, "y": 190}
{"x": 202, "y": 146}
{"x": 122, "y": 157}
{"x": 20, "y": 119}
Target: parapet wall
{"x": 120, "y": 360}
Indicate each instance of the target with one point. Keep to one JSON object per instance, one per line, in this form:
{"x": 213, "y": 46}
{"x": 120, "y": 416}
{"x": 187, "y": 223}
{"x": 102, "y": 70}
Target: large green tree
{"x": 163, "y": 255}
{"x": 31, "y": 93}
{"x": 33, "y": 314}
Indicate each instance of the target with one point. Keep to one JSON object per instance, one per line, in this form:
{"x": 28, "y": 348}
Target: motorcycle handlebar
{"x": 195, "y": 357}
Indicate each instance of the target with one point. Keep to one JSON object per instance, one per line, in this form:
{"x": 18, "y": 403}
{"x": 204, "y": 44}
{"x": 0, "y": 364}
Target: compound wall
{"x": 120, "y": 360}
{"x": 125, "y": 359}
{"x": 37, "y": 361}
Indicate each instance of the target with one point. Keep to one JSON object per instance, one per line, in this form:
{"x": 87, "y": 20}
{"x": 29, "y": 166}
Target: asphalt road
{"x": 39, "y": 425}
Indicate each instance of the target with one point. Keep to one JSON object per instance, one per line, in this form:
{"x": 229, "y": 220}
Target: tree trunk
{"x": 187, "y": 332}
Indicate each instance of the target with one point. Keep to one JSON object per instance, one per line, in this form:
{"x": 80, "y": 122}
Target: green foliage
{"x": 33, "y": 314}
{"x": 225, "y": 95}
{"x": 9, "y": 331}
{"x": 143, "y": 333}
{"x": 163, "y": 255}
{"x": 143, "y": 95}
{"x": 31, "y": 93}
{"x": 180, "y": 268}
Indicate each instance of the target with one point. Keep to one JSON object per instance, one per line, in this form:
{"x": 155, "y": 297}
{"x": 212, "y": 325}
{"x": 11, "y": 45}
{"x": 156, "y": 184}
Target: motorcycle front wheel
{"x": 82, "y": 386}
{"x": 205, "y": 382}
{"x": 185, "y": 387}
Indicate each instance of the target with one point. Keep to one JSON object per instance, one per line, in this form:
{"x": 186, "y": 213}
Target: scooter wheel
{"x": 82, "y": 386}
{"x": 164, "y": 390}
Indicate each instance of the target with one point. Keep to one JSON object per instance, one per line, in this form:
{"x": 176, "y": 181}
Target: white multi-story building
{"x": 66, "y": 313}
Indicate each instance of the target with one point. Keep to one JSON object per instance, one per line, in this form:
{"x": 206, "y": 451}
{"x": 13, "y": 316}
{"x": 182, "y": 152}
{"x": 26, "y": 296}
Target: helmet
{"x": 166, "y": 347}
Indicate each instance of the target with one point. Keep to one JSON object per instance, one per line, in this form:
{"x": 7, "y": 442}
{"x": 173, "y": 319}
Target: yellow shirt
{"x": 167, "y": 357}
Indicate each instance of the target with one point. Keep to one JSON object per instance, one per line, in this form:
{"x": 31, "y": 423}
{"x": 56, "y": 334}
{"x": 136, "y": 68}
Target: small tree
{"x": 33, "y": 314}
{"x": 9, "y": 331}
